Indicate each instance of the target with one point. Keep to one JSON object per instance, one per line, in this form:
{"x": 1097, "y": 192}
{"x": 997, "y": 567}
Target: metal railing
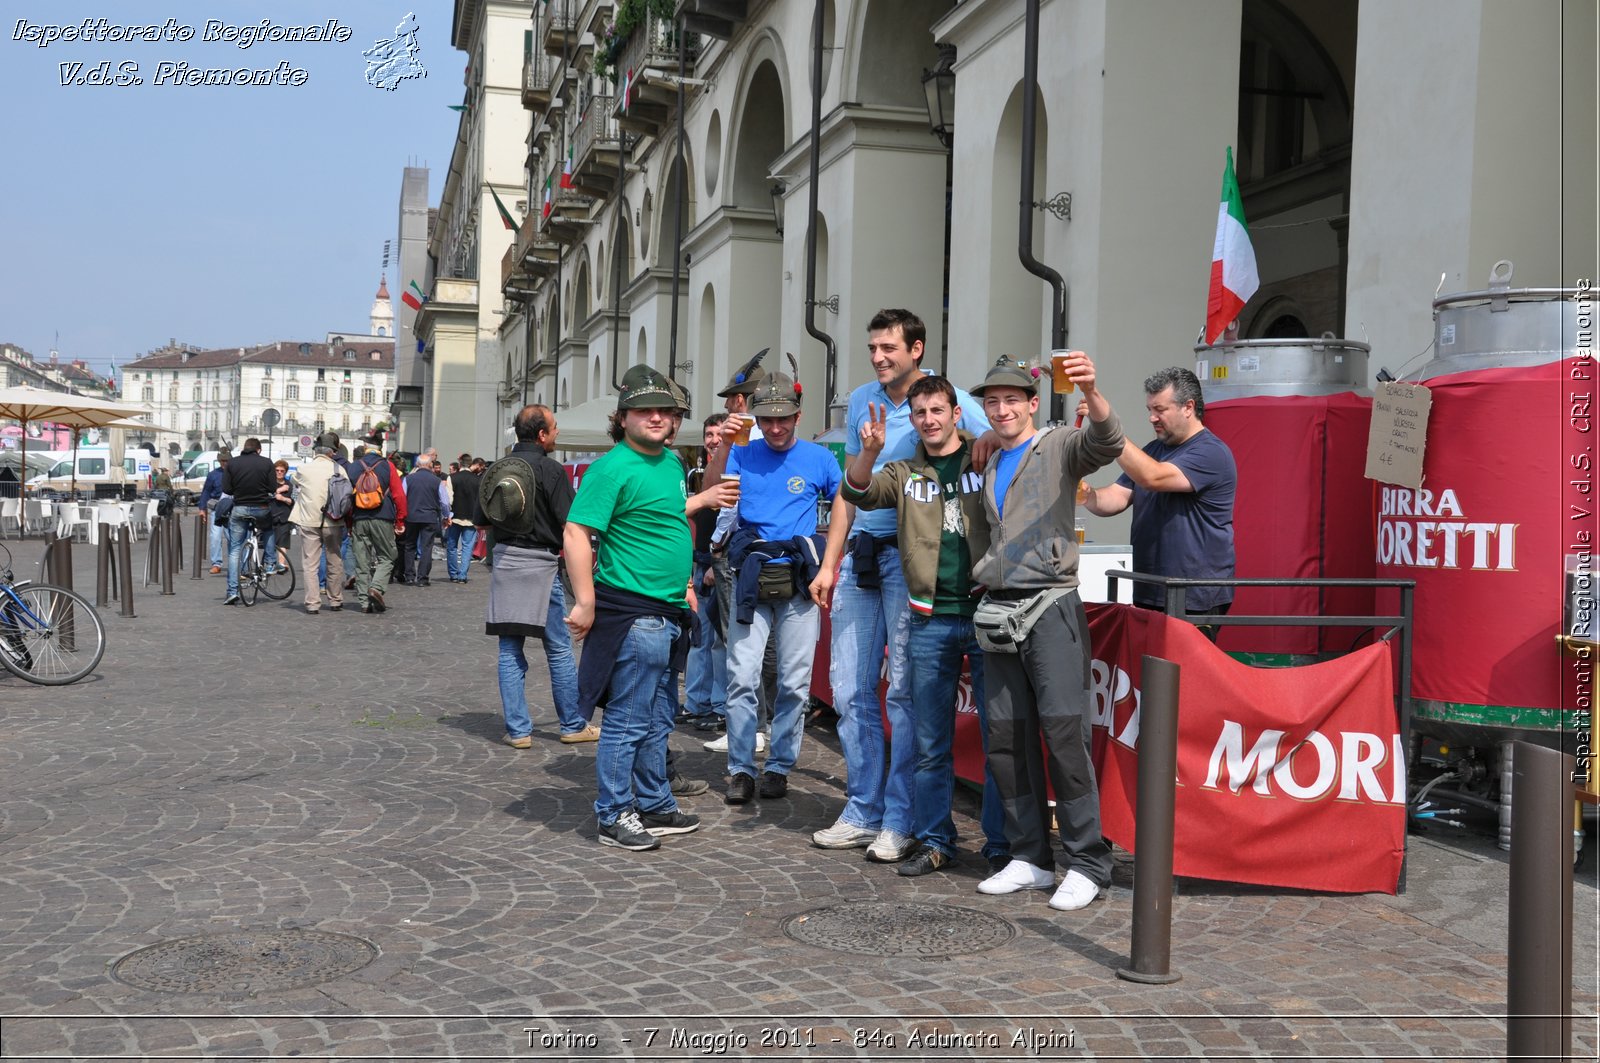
{"x": 597, "y": 126}
{"x": 539, "y": 74}
{"x": 654, "y": 42}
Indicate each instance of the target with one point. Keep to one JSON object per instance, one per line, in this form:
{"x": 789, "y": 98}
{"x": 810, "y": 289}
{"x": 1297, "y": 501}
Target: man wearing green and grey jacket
{"x": 1033, "y": 623}
{"x": 938, "y": 496}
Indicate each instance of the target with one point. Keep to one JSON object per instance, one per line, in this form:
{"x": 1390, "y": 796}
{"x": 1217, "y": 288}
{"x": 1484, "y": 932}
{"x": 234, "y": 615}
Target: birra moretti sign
{"x": 1436, "y": 529}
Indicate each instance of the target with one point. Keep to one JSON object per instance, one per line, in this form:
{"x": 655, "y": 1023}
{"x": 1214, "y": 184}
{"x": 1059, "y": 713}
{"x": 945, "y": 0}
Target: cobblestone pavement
{"x": 261, "y": 773}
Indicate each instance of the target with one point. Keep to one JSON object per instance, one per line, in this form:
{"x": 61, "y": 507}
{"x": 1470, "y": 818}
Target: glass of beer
{"x": 1083, "y": 492}
{"x": 1080, "y": 528}
{"x": 1058, "y": 372}
{"x": 732, "y": 478}
{"x": 742, "y": 423}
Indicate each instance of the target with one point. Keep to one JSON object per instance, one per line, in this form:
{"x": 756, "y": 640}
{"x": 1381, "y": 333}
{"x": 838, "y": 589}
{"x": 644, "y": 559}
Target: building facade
{"x": 1355, "y": 209}
{"x": 460, "y": 326}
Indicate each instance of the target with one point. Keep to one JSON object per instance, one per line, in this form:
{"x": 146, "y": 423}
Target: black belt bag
{"x": 775, "y": 583}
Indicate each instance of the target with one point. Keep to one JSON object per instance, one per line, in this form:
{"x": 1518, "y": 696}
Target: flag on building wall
{"x": 547, "y": 201}
{"x": 505, "y": 215}
{"x": 627, "y": 91}
{"x": 413, "y": 296}
{"x": 566, "y": 169}
{"x": 1233, "y": 261}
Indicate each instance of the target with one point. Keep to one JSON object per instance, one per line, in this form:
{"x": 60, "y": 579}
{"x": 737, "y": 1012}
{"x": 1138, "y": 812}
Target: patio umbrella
{"x": 25, "y": 404}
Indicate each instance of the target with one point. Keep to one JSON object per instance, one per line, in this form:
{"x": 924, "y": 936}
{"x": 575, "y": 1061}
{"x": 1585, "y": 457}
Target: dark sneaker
{"x": 682, "y": 787}
{"x": 774, "y": 784}
{"x": 924, "y": 861}
{"x": 628, "y": 833}
{"x": 711, "y": 722}
{"x": 376, "y": 598}
{"x": 663, "y": 823}
{"x": 232, "y": 599}
{"x": 741, "y": 788}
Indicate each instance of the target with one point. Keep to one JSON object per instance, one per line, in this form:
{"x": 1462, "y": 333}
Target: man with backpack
{"x": 378, "y": 515}
{"x": 322, "y": 503}
{"x": 525, "y": 497}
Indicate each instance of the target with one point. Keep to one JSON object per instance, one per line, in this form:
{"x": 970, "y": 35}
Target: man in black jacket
{"x": 428, "y": 502}
{"x": 521, "y": 563}
{"x": 465, "y": 516}
{"x": 251, "y": 480}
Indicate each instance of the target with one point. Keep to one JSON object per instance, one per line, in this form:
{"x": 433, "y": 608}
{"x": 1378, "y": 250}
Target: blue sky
{"x": 216, "y": 215}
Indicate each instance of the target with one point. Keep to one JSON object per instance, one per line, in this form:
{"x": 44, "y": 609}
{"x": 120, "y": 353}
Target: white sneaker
{"x": 843, "y": 835}
{"x": 1076, "y": 892}
{"x": 1017, "y": 875}
{"x": 720, "y": 744}
{"x": 890, "y": 847}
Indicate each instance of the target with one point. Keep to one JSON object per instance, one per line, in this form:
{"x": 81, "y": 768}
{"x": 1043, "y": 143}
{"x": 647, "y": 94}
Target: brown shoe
{"x": 590, "y": 733}
{"x": 519, "y": 741}
{"x": 376, "y": 597}
{"x": 216, "y": 570}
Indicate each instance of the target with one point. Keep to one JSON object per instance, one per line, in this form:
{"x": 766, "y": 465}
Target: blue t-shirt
{"x": 1179, "y": 533}
{"x": 900, "y": 442}
{"x": 778, "y": 489}
{"x": 1004, "y": 470}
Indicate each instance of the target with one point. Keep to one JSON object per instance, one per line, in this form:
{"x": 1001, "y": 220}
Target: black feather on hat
{"x": 744, "y": 373}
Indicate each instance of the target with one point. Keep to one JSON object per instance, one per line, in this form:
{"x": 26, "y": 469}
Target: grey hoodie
{"x": 1034, "y": 547}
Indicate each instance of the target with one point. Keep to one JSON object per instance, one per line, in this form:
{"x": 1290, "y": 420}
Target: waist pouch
{"x": 1002, "y": 626}
{"x": 775, "y": 582}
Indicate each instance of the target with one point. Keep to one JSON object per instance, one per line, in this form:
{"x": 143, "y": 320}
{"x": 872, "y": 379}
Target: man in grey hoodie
{"x": 1037, "y": 653}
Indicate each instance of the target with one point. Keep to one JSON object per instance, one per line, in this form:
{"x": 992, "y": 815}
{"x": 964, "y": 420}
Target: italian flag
{"x": 566, "y": 169}
{"x": 627, "y": 91}
{"x": 413, "y": 296}
{"x": 505, "y": 215}
{"x": 547, "y": 202}
{"x": 1233, "y": 261}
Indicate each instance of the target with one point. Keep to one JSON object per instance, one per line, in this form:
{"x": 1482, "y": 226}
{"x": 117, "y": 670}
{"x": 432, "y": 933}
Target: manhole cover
{"x": 244, "y": 963}
{"x": 900, "y": 929}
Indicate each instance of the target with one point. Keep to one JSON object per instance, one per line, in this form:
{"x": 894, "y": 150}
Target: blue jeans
{"x": 937, "y": 644}
{"x": 631, "y": 757}
{"x": 217, "y": 540}
{"x": 793, "y": 622}
{"x": 458, "y": 543}
{"x": 863, "y": 623}
{"x": 563, "y": 673}
{"x": 706, "y": 673}
{"x": 241, "y": 524}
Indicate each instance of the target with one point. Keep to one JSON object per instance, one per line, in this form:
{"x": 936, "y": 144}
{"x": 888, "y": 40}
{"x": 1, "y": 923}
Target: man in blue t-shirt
{"x": 1181, "y": 487}
{"x": 773, "y": 555}
{"x": 871, "y": 611}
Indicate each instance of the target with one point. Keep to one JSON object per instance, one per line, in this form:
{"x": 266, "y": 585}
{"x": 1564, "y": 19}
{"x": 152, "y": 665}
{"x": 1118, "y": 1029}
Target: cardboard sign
{"x": 1399, "y": 433}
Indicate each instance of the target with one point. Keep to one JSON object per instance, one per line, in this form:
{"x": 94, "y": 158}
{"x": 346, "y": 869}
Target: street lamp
{"x": 939, "y": 85}
{"x": 779, "y": 189}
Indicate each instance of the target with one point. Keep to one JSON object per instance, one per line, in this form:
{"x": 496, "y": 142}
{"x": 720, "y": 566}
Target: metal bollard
{"x": 153, "y": 556}
{"x": 177, "y": 540}
{"x": 174, "y": 552}
{"x": 102, "y": 571}
{"x": 1150, "y": 953}
{"x": 125, "y": 555}
{"x": 1539, "y": 931}
{"x": 199, "y": 547}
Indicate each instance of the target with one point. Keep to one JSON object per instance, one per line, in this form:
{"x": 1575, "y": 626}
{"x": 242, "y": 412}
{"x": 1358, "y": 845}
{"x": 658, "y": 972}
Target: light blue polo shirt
{"x": 900, "y": 442}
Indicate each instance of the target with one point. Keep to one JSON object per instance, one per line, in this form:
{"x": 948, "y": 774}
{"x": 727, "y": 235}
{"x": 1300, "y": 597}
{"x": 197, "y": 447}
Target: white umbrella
{"x": 24, "y": 404}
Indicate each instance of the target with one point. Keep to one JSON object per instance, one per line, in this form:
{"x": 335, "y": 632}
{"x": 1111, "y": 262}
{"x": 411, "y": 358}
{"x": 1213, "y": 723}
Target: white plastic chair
{"x": 10, "y": 513}
{"x": 111, "y": 513}
{"x": 69, "y": 518}
{"x": 140, "y": 515}
{"x": 35, "y": 515}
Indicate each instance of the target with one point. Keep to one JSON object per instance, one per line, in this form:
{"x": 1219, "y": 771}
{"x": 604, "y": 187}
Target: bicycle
{"x": 48, "y": 635}
{"x": 254, "y": 581}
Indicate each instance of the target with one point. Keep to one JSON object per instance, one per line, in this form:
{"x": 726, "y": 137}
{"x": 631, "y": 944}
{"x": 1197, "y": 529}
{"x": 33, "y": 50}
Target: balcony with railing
{"x": 715, "y": 18}
{"x": 596, "y": 147}
{"x": 538, "y": 80}
{"x": 650, "y": 53}
{"x": 560, "y": 32}
{"x": 565, "y": 223}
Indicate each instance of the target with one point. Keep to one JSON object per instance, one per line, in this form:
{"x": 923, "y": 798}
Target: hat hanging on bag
{"x": 1009, "y": 372}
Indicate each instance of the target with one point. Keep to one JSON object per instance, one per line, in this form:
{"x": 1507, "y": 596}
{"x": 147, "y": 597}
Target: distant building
{"x": 18, "y": 368}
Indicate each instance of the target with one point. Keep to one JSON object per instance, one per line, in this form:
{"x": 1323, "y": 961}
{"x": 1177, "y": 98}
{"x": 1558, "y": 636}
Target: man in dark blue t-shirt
{"x": 773, "y": 555}
{"x": 1181, "y": 487}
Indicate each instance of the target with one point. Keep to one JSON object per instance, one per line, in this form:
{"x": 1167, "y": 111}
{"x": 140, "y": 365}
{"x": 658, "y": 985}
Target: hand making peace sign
{"x": 875, "y": 429}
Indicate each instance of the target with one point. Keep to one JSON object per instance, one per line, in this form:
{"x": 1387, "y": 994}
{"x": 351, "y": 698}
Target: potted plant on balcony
{"x": 614, "y": 38}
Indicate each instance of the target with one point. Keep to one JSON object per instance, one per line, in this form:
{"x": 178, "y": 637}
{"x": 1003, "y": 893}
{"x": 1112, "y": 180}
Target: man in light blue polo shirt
{"x": 870, "y": 609}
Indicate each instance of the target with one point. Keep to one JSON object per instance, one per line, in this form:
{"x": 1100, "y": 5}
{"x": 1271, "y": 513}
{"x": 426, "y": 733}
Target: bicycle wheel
{"x": 52, "y": 636}
{"x": 280, "y": 584}
{"x": 249, "y": 574}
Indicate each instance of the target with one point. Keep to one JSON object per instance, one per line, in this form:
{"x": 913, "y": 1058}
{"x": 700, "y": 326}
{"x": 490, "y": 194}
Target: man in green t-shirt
{"x": 939, "y": 498}
{"x": 633, "y": 611}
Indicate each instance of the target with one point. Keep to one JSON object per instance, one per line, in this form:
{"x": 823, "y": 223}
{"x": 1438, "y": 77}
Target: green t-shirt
{"x": 635, "y": 501}
{"x": 951, "y": 590}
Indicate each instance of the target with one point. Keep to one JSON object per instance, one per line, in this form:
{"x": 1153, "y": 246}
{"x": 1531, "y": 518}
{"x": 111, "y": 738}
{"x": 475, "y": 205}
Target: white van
{"x": 95, "y": 466}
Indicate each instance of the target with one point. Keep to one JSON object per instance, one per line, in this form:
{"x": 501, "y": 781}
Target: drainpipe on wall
{"x": 1058, "y": 286}
{"x": 677, "y": 211}
{"x": 831, "y": 373}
